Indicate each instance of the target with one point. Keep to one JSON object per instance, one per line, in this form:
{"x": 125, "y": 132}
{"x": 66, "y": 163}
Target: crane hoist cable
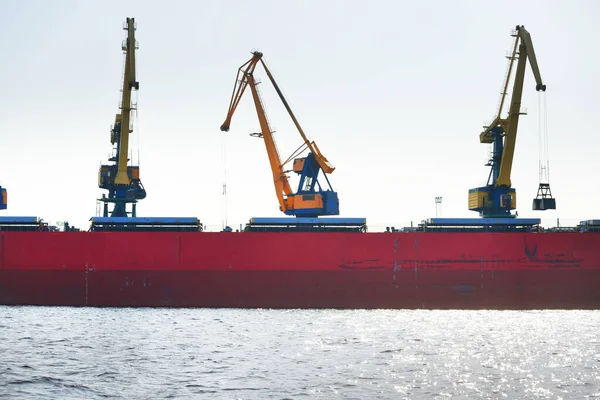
{"x": 543, "y": 200}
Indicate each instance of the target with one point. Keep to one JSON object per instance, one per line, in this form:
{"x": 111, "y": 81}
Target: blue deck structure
{"x": 145, "y": 224}
{"x": 299, "y": 224}
{"x": 480, "y": 225}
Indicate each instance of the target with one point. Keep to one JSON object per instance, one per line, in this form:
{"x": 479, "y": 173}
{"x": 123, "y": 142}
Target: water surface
{"x": 56, "y": 352}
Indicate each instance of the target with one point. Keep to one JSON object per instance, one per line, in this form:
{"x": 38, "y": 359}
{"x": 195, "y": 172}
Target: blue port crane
{"x": 4, "y": 202}
{"x": 120, "y": 179}
{"x": 311, "y": 199}
{"x": 497, "y": 199}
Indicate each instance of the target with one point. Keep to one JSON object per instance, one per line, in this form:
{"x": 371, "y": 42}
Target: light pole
{"x": 438, "y": 206}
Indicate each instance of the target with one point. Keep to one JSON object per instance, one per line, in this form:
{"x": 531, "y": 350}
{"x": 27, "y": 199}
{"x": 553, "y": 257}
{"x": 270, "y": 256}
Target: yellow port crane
{"x": 498, "y": 198}
{"x": 122, "y": 181}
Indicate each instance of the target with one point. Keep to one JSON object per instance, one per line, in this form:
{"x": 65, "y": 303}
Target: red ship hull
{"x": 448, "y": 270}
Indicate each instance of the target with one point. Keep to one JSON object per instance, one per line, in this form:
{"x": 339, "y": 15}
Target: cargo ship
{"x": 311, "y": 258}
{"x": 423, "y": 268}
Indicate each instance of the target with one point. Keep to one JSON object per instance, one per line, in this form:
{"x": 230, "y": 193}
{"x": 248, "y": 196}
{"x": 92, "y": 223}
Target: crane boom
{"x": 280, "y": 179}
{"x": 244, "y": 79}
{"x": 526, "y": 51}
{"x": 309, "y": 200}
{"x": 509, "y": 125}
{"x": 129, "y": 83}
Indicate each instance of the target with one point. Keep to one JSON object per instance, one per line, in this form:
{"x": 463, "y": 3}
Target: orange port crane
{"x": 311, "y": 199}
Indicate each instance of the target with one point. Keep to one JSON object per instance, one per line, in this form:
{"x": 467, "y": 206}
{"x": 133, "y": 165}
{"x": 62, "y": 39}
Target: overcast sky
{"x": 395, "y": 94}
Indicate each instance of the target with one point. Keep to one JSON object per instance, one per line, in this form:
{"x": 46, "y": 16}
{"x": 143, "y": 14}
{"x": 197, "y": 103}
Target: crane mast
{"x": 122, "y": 181}
{"x": 498, "y": 198}
{"x": 311, "y": 199}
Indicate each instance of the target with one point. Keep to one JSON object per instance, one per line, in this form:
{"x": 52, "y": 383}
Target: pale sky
{"x": 395, "y": 94}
